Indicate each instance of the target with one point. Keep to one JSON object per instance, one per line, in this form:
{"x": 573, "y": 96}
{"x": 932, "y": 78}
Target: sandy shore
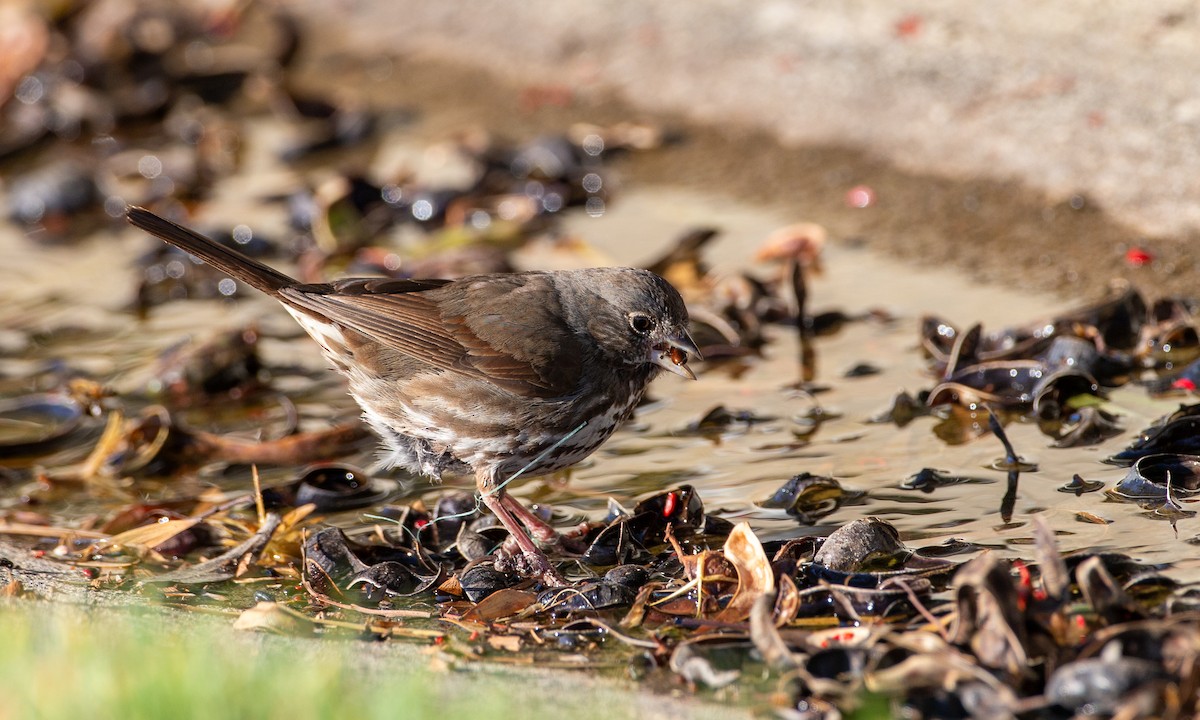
{"x": 1029, "y": 143}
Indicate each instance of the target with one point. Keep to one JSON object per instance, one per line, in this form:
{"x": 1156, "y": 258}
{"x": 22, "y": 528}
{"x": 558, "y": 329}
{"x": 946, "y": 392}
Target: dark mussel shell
{"x": 383, "y": 579}
{"x": 929, "y": 479}
{"x": 479, "y": 581}
{"x": 808, "y": 497}
{"x": 1071, "y": 351}
{"x": 588, "y": 596}
{"x": 1089, "y": 425}
{"x": 1147, "y": 479}
{"x": 849, "y": 598}
{"x": 330, "y": 554}
{"x": 611, "y": 545}
{"x": 40, "y": 424}
{"x": 1179, "y": 434}
{"x": 949, "y": 347}
{"x": 1170, "y": 337}
{"x": 1053, "y": 391}
{"x": 1005, "y": 383}
{"x": 680, "y": 507}
{"x": 1170, "y": 346}
{"x": 1101, "y": 685}
{"x": 335, "y": 486}
{"x": 1119, "y": 318}
{"x": 1179, "y": 381}
{"x": 938, "y": 337}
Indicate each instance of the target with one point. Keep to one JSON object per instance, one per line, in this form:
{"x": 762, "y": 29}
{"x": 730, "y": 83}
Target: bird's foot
{"x": 529, "y": 564}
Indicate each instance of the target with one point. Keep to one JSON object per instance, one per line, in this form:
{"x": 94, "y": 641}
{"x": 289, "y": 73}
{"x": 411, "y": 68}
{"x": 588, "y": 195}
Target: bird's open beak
{"x": 673, "y": 355}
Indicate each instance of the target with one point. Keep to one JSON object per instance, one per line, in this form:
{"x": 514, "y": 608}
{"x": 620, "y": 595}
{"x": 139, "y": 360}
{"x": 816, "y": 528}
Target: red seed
{"x": 1137, "y": 257}
{"x": 1024, "y": 583}
{"x": 1025, "y": 579}
{"x": 669, "y": 504}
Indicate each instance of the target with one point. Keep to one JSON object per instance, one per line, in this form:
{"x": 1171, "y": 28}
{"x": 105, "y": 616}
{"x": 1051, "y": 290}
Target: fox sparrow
{"x": 497, "y": 375}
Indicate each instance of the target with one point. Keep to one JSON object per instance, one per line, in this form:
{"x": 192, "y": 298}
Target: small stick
{"x": 808, "y": 354}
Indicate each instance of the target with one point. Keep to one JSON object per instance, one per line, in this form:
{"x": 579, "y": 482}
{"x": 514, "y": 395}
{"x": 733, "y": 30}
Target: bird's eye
{"x": 641, "y": 323}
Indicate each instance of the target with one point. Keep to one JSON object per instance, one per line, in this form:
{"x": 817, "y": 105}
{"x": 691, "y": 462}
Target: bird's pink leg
{"x": 540, "y": 529}
{"x": 544, "y": 533}
{"x": 499, "y": 502}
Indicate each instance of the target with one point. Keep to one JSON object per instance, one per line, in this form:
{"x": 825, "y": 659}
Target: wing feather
{"x": 523, "y": 346}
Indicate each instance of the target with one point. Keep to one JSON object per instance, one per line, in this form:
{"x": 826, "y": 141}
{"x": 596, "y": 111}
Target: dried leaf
{"x": 766, "y": 637}
{"x": 501, "y": 604}
{"x": 787, "y": 601}
{"x": 637, "y": 611}
{"x": 148, "y": 536}
{"x": 224, "y": 565}
{"x": 988, "y": 618}
{"x": 1111, "y": 603}
{"x": 451, "y": 587}
{"x": 274, "y": 618}
{"x": 1055, "y": 578}
{"x": 946, "y": 669}
{"x": 755, "y": 577}
{"x": 105, "y": 446}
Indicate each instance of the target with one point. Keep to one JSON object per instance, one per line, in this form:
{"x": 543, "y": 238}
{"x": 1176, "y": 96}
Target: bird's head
{"x": 636, "y": 318}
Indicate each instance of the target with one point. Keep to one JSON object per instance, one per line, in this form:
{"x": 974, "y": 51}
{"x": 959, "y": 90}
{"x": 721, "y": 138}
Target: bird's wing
{"x": 501, "y": 329}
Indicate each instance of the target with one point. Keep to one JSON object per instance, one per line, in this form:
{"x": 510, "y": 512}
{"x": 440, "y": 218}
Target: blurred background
{"x": 1049, "y": 145}
{"x": 1091, "y": 106}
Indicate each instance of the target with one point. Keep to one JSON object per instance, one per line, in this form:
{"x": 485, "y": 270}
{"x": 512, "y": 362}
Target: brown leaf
{"x": 148, "y": 536}
{"x": 500, "y": 604}
{"x": 105, "y": 446}
{"x": 755, "y": 577}
{"x": 787, "y": 601}
{"x": 988, "y": 617}
{"x": 451, "y": 587}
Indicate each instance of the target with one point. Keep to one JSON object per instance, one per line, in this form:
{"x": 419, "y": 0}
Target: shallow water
{"x": 743, "y": 467}
{"x": 63, "y": 307}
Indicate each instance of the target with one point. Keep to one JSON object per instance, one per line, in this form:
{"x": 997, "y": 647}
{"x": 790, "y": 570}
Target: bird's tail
{"x": 240, "y": 267}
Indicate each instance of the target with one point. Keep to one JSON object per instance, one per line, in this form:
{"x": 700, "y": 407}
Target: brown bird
{"x": 497, "y": 375}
